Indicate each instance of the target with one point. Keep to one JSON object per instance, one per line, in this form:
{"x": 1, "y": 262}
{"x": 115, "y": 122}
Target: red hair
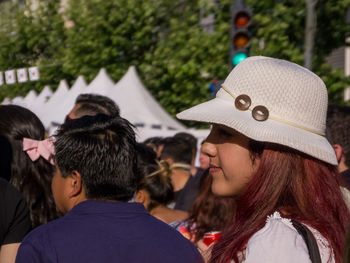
{"x": 210, "y": 212}
{"x": 298, "y": 186}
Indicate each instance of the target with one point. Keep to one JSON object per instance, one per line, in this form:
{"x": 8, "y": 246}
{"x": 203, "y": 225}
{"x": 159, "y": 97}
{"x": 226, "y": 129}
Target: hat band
{"x": 277, "y": 119}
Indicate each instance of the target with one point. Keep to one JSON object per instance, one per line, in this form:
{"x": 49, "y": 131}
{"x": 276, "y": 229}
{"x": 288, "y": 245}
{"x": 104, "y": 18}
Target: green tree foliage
{"x": 31, "y": 38}
{"x": 187, "y": 58}
{"x": 279, "y": 31}
{"x": 176, "y": 56}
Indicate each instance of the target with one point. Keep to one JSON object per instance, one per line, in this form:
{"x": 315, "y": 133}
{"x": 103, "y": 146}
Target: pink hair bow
{"x": 35, "y": 149}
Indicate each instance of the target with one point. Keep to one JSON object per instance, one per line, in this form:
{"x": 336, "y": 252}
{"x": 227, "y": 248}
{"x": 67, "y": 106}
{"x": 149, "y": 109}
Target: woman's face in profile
{"x": 230, "y": 163}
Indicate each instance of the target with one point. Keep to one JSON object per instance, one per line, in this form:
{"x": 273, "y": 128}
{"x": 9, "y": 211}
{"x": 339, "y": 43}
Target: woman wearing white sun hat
{"x": 267, "y": 148}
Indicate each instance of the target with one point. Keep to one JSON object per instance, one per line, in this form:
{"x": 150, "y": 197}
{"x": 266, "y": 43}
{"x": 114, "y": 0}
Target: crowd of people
{"x": 272, "y": 185}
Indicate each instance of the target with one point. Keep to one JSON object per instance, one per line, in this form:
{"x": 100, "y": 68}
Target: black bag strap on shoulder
{"x": 309, "y": 240}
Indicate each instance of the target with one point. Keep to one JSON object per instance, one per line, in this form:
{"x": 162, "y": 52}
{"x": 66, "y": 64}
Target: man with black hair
{"x": 192, "y": 141}
{"x": 338, "y": 124}
{"x": 92, "y": 104}
{"x": 178, "y": 153}
{"x": 95, "y": 177}
{"x": 155, "y": 143}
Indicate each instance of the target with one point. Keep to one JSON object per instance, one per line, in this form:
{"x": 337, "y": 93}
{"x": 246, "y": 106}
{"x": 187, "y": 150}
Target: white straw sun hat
{"x": 272, "y": 100}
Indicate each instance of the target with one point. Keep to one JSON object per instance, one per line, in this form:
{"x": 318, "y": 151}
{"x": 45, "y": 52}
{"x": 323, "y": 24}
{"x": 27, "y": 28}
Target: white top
{"x": 279, "y": 241}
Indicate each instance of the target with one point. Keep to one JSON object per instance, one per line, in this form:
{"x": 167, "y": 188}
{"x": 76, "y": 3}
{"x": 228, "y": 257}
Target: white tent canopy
{"x": 30, "y": 97}
{"x": 46, "y": 111}
{"x": 6, "y": 101}
{"x": 37, "y": 104}
{"x": 135, "y": 102}
{"x": 102, "y": 84}
{"x": 57, "y": 115}
{"x": 18, "y": 100}
{"x": 138, "y": 106}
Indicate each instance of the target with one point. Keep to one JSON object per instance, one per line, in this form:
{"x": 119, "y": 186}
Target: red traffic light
{"x": 242, "y": 19}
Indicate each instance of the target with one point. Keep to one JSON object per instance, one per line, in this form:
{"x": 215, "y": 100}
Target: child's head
{"x": 96, "y": 157}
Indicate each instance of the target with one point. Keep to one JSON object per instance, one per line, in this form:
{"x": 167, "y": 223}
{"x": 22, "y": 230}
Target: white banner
{"x": 10, "y": 76}
{"x": 22, "y": 75}
{"x": 33, "y": 73}
{"x": 1, "y": 78}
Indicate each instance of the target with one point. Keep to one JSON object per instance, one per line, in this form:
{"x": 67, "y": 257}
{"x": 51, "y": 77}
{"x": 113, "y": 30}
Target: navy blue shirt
{"x": 97, "y": 231}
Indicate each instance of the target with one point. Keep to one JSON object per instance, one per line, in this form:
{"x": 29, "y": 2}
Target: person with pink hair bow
{"x": 36, "y": 149}
{"x": 30, "y": 167}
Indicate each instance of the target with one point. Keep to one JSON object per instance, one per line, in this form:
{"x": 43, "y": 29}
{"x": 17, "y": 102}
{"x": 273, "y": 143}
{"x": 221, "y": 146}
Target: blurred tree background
{"x": 176, "y": 54}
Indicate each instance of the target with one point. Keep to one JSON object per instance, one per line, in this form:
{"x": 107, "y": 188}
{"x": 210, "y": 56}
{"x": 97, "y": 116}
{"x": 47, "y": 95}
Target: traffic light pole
{"x": 240, "y": 34}
{"x": 239, "y": 4}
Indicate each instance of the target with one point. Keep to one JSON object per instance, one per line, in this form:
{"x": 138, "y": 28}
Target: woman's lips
{"x": 214, "y": 169}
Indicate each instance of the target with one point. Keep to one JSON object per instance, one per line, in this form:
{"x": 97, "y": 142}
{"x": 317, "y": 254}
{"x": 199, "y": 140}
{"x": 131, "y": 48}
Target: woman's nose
{"x": 208, "y": 148}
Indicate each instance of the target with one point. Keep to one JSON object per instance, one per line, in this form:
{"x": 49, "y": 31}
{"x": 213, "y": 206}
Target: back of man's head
{"x": 93, "y": 104}
{"x": 338, "y": 124}
{"x": 102, "y": 149}
{"x": 177, "y": 150}
{"x": 190, "y": 139}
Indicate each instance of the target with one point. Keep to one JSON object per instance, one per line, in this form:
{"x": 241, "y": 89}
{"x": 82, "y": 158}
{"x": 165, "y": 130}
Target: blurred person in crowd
{"x": 209, "y": 216}
{"x": 178, "y": 153}
{"x": 92, "y": 104}
{"x": 155, "y": 192}
{"x": 154, "y": 187}
{"x": 161, "y": 143}
{"x": 145, "y": 155}
{"x": 30, "y": 168}
{"x": 268, "y": 150}
{"x": 192, "y": 141}
{"x": 14, "y": 221}
{"x": 95, "y": 178}
{"x": 338, "y": 123}
{"x": 203, "y": 159}
{"x": 154, "y": 143}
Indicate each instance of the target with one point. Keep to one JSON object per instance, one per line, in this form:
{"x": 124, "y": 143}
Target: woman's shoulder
{"x": 279, "y": 241}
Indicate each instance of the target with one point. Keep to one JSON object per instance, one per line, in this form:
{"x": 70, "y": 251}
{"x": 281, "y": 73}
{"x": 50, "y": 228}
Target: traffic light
{"x": 241, "y": 18}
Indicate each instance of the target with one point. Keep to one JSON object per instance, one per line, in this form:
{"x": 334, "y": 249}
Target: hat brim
{"x": 224, "y": 112}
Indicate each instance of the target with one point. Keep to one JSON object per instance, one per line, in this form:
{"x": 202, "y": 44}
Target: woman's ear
{"x": 75, "y": 184}
{"x": 338, "y": 151}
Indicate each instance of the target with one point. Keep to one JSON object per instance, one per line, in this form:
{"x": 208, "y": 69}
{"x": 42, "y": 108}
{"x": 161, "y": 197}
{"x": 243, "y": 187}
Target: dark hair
{"x": 305, "y": 188}
{"x": 145, "y": 155}
{"x": 5, "y": 158}
{"x": 153, "y": 177}
{"x": 32, "y": 179}
{"x": 338, "y": 124}
{"x": 190, "y": 139}
{"x": 209, "y": 212}
{"x": 95, "y": 103}
{"x": 177, "y": 149}
{"x": 154, "y": 143}
{"x": 346, "y": 253}
{"x": 102, "y": 149}
{"x": 156, "y": 181}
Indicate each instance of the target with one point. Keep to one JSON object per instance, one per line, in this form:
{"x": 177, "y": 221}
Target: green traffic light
{"x": 238, "y": 57}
